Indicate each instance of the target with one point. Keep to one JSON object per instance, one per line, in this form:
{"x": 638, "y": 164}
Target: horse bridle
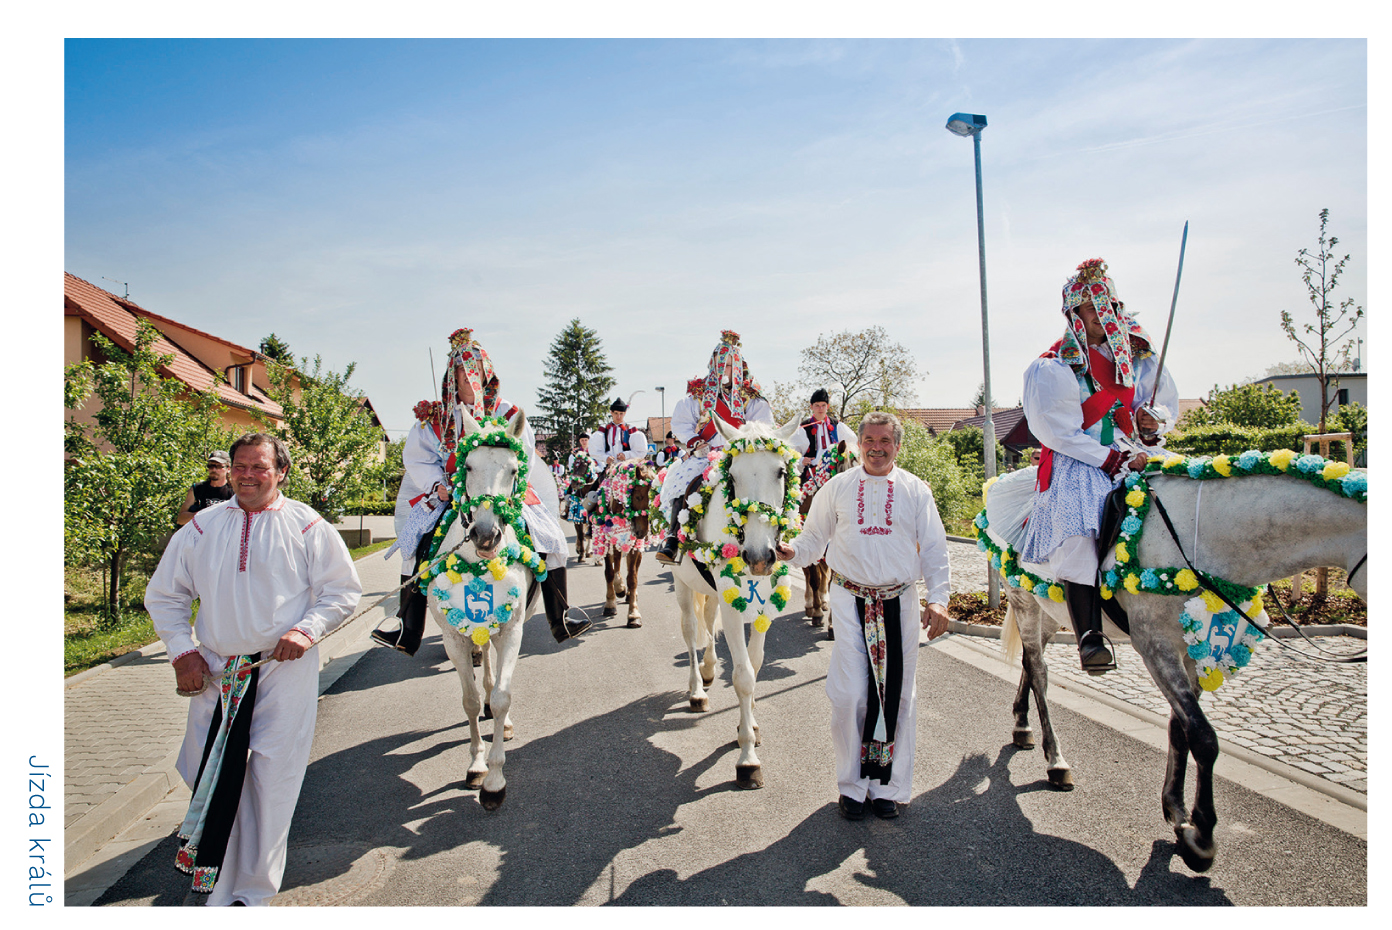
{"x": 1272, "y": 599}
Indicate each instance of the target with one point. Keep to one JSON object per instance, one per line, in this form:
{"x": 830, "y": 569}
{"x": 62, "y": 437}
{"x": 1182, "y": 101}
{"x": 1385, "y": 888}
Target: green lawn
{"x": 86, "y": 644}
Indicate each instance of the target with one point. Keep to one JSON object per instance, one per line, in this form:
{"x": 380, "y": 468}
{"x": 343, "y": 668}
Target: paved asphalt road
{"x": 618, "y": 794}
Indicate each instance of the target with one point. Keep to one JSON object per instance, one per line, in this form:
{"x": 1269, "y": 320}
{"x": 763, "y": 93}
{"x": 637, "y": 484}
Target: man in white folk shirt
{"x": 616, "y": 441}
{"x": 272, "y": 577}
{"x": 881, "y": 532}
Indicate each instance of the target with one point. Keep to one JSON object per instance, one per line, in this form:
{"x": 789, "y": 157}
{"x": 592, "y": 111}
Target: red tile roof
{"x": 117, "y": 319}
{"x": 941, "y": 419}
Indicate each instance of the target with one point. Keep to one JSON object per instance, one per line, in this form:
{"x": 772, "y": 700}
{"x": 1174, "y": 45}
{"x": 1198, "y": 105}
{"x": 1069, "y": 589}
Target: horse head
{"x": 640, "y": 491}
{"x": 489, "y": 472}
{"x": 762, "y": 476}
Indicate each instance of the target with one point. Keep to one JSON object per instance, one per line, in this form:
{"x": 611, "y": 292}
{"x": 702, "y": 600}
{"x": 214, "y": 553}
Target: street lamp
{"x": 662, "y": 395}
{"x": 971, "y": 124}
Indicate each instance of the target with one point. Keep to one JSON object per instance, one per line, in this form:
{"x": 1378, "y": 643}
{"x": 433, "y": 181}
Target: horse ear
{"x": 725, "y": 429}
{"x": 517, "y": 424}
{"x": 471, "y": 425}
{"x": 786, "y": 431}
{"x": 841, "y": 447}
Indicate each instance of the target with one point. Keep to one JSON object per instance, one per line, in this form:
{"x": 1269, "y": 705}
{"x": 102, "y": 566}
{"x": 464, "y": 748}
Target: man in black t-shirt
{"x": 207, "y": 493}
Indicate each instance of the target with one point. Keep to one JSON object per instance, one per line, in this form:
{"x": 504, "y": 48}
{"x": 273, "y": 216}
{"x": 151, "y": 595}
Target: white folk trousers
{"x": 847, "y": 686}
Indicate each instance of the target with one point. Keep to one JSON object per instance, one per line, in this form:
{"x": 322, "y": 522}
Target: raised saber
{"x": 1170, "y": 325}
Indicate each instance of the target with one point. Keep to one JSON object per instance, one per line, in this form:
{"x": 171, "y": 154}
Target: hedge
{"x": 1231, "y": 439}
{"x": 369, "y": 508}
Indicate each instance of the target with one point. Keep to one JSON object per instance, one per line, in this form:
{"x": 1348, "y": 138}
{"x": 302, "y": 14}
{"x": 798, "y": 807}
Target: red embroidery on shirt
{"x": 889, "y": 511}
{"x": 876, "y": 531}
{"x": 889, "y": 505}
{"x": 306, "y": 529}
{"x": 860, "y": 502}
{"x": 194, "y": 521}
{"x": 246, "y": 538}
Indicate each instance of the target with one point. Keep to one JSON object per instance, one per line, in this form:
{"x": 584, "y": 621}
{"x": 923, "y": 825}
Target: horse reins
{"x": 1271, "y": 597}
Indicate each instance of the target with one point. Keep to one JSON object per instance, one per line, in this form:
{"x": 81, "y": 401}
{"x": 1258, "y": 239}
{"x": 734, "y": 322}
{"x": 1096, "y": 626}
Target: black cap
{"x": 618, "y": 404}
{"x": 820, "y": 396}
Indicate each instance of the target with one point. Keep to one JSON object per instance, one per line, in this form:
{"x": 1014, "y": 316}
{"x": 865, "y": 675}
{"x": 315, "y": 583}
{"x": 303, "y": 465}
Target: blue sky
{"x": 363, "y": 198}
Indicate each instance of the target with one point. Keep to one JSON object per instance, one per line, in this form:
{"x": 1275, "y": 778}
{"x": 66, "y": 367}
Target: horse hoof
{"x": 473, "y": 781}
{"x": 749, "y": 776}
{"x": 1061, "y": 779}
{"x": 621, "y": 594}
{"x": 507, "y": 732}
{"x": 831, "y": 634}
{"x": 635, "y": 622}
{"x": 1196, "y": 854}
{"x": 611, "y": 612}
{"x": 700, "y": 704}
{"x": 1023, "y": 738}
{"x": 707, "y": 682}
{"x": 492, "y": 800}
{"x": 487, "y": 713}
{"x": 478, "y": 659}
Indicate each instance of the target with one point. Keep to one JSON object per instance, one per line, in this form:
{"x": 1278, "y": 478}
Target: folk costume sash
{"x": 1109, "y": 402}
{"x": 218, "y": 789}
{"x": 616, "y": 436}
{"x": 827, "y": 430}
{"x": 878, "y": 609}
{"x": 707, "y": 432}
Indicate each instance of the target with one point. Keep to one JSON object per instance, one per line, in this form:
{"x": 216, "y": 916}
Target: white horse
{"x": 1247, "y": 530}
{"x": 758, "y": 476}
{"x": 489, "y": 471}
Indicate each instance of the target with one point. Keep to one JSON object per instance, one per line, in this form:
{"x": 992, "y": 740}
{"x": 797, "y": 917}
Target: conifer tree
{"x": 575, "y": 399}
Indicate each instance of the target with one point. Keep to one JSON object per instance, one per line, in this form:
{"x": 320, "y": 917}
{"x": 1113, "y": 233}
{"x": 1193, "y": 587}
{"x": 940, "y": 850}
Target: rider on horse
{"x": 616, "y": 441}
{"x": 1087, "y": 401}
{"x": 821, "y": 432}
{"x": 471, "y": 386}
{"x": 727, "y": 391}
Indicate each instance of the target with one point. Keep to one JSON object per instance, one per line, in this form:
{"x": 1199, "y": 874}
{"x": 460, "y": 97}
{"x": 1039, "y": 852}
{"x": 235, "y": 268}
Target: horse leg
{"x": 824, "y": 592}
{"x": 748, "y": 771}
{"x": 809, "y": 595}
{"x": 509, "y": 643}
{"x": 635, "y": 558}
{"x": 611, "y": 568}
{"x": 1189, "y": 728}
{"x": 458, "y": 649}
{"x": 692, "y": 633}
{"x": 709, "y": 606}
{"x": 756, "y": 660}
{"x": 1059, "y": 771}
{"x": 1022, "y": 736}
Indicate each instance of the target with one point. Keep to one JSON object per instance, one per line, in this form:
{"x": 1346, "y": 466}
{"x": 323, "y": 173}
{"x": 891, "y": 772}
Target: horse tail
{"x": 1010, "y": 634}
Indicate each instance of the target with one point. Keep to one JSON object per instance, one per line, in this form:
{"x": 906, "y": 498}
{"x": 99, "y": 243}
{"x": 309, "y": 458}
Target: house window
{"x": 238, "y": 379}
{"x": 1343, "y": 397}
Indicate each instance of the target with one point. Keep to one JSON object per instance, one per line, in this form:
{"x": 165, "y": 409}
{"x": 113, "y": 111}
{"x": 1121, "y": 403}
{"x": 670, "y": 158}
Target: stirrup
{"x": 1097, "y": 668}
{"x": 662, "y": 556}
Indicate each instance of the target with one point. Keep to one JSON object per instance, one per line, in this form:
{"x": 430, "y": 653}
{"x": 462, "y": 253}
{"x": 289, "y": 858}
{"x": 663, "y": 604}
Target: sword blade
{"x": 1183, "y": 241}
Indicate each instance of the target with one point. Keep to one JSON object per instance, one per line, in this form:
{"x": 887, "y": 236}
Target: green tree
{"x": 332, "y": 441}
{"x": 574, "y": 401}
{"x": 1320, "y": 348}
{"x": 128, "y": 471}
{"x": 277, "y": 350}
{"x": 1261, "y": 405}
{"x": 956, "y": 491}
{"x": 859, "y": 368}
{"x": 968, "y": 445}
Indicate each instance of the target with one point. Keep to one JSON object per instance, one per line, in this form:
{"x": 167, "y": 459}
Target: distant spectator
{"x": 207, "y": 493}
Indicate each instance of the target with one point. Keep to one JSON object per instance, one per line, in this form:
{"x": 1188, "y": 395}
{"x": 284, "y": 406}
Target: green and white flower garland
{"x": 1219, "y": 641}
{"x": 444, "y": 578}
{"x": 731, "y": 578}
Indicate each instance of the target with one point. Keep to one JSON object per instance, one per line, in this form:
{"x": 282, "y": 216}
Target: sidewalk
{"x": 123, "y": 725}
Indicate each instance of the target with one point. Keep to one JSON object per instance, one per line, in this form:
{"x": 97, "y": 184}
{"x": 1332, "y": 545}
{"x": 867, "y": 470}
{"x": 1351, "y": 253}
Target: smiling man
{"x": 272, "y": 578}
{"x": 881, "y": 532}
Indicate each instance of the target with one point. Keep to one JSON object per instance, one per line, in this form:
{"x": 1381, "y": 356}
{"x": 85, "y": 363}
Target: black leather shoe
{"x": 851, "y": 810}
{"x": 667, "y": 552}
{"x": 1094, "y": 654}
{"x": 884, "y": 808}
{"x": 568, "y": 629}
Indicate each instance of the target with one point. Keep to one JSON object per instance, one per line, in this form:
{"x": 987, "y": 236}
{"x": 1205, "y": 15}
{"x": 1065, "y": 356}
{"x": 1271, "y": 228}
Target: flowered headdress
{"x": 467, "y": 355}
{"x": 1127, "y": 340}
{"x": 709, "y": 388}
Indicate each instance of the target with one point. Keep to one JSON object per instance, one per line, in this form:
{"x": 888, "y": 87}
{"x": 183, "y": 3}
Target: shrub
{"x": 956, "y": 491}
{"x": 369, "y": 508}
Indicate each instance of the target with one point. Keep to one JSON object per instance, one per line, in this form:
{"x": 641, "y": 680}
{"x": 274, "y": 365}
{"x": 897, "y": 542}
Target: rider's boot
{"x": 553, "y": 596}
{"x": 412, "y": 616}
{"x": 668, "y": 552}
{"x": 1085, "y": 611}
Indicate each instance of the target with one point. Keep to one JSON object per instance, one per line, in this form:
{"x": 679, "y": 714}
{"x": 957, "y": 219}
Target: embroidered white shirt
{"x": 256, "y": 575}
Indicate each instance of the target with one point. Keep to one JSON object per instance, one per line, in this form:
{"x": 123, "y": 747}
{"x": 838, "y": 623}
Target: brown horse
{"x": 582, "y": 479}
{"x": 817, "y": 577}
{"x": 621, "y": 528}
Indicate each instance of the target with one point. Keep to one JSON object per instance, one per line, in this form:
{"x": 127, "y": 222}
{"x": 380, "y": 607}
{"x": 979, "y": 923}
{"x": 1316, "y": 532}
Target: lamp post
{"x": 662, "y": 396}
{"x": 971, "y": 124}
